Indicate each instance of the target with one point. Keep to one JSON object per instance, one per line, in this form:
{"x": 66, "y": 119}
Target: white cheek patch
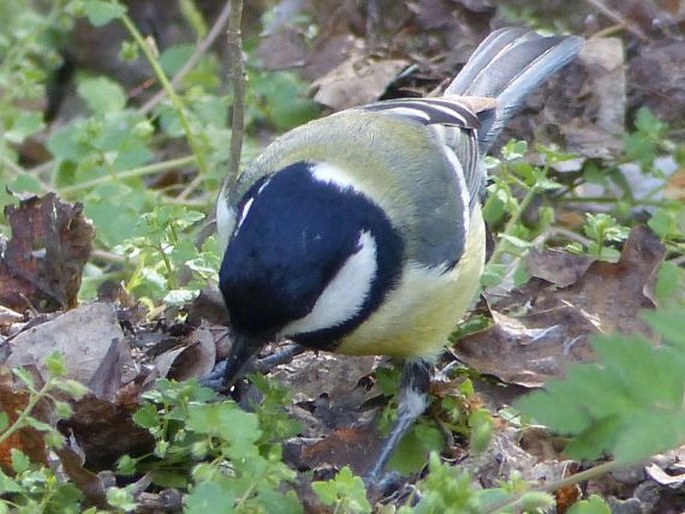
{"x": 331, "y": 174}
{"x": 344, "y": 296}
{"x": 225, "y": 223}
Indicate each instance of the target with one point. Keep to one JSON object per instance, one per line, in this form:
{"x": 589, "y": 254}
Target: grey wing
{"x": 454, "y": 124}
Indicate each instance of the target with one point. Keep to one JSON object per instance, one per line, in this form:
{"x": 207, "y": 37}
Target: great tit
{"x": 361, "y": 233}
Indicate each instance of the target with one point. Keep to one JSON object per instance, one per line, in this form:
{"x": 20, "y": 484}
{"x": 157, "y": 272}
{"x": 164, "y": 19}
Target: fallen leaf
{"x": 354, "y": 447}
{"x": 42, "y": 264}
{"x": 549, "y": 326}
{"x": 105, "y": 431}
{"x": 604, "y": 100}
{"x": 194, "y": 359}
{"x": 656, "y": 79}
{"x": 557, "y": 267}
{"x": 82, "y": 335}
{"x": 89, "y": 483}
{"x": 14, "y": 400}
{"x": 356, "y": 81}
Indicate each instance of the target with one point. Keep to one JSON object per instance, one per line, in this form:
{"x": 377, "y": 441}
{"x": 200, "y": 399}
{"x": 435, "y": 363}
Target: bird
{"x": 361, "y": 232}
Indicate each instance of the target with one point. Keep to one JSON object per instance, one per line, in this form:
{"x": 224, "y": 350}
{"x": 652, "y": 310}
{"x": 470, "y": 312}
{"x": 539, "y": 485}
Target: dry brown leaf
{"x": 604, "y": 100}
{"x": 42, "y": 264}
{"x": 194, "y": 359}
{"x": 105, "y": 431}
{"x": 356, "y": 81}
{"x": 557, "y": 267}
{"x": 89, "y": 483}
{"x": 354, "y": 447}
{"x": 657, "y": 80}
{"x": 553, "y": 332}
{"x": 13, "y": 401}
{"x": 83, "y": 335}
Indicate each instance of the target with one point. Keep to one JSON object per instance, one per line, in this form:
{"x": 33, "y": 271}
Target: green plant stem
{"x": 150, "y": 169}
{"x": 200, "y": 50}
{"x": 583, "y": 476}
{"x": 26, "y": 412}
{"x": 175, "y": 100}
{"x": 513, "y": 221}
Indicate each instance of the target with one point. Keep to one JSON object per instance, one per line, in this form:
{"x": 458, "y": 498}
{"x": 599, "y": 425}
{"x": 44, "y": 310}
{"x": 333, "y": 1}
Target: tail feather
{"x": 508, "y": 65}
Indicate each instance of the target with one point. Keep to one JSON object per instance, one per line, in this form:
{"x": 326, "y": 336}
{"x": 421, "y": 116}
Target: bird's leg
{"x": 413, "y": 400}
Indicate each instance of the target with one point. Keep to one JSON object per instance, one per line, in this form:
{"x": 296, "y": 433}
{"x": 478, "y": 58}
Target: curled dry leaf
{"x": 604, "y": 100}
{"x": 356, "y": 81}
{"x": 530, "y": 348}
{"x": 42, "y": 264}
{"x": 657, "y": 79}
{"x": 105, "y": 431}
{"x": 89, "y": 483}
{"x": 194, "y": 359}
{"x": 82, "y": 335}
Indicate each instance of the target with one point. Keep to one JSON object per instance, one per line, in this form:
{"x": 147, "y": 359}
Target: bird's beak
{"x": 242, "y": 351}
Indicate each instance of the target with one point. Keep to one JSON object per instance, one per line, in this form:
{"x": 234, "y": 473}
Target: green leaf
{"x": 25, "y": 183}
{"x": 146, "y": 416}
{"x": 413, "y": 451}
{"x": 102, "y": 95}
{"x": 8, "y": 485}
{"x": 73, "y": 388}
{"x": 593, "y": 505}
{"x": 209, "y": 497}
{"x": 535, "y": 501}
{"x": 174, "y": 57}
{"x": 239, "y": 428}
{"x": 670, "y": 284}
{"x": 101, "y": 12}
{"x": 481, "y": 425}
{"x": 56, "y": 365}
{"x": 662, "y": 222}
{"x": 64, "y": 143}
{"x": 629, "y": 403}
{"x": 20, "y": 462}
{"x": 26, "y": 124}
{"x": 126, "y": 465}
{"x": 670, "y": 324}
{"x": 346, "y": 489}
{"x": 514, "y": 150}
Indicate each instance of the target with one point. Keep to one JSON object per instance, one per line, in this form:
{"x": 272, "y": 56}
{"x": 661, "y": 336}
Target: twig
{"x": 136, "y": 172}
{"x": 630, "y": 26}
{"x": 197, "y": 54}
{"x": 176, "y": 102}
{"x": 583, "y": 476}
{"x": 235, "y": 53}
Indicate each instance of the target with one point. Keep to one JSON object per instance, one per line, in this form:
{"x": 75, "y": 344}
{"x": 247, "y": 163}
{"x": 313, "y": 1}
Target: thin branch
{"x": 550, "y": 487}
{"x": 201, "y": 49}
{"x": 176, "y": 102}
{"x": 136, "y": 172}
{"x": 235, "y": 53}
{"x": 617, "y": 18}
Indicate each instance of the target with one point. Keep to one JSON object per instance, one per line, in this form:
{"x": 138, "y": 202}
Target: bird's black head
{"x": 310, "y": 258}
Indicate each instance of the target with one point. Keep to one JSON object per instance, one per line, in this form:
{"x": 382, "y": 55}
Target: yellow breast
{"x": 418, "y": 316}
